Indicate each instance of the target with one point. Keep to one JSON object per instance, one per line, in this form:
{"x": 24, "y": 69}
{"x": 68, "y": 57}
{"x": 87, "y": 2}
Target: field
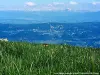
{"x": 22, "y": 58}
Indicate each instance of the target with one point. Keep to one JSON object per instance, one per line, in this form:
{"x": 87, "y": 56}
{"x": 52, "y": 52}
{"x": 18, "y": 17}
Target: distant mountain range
{"x": 26, "y": 17}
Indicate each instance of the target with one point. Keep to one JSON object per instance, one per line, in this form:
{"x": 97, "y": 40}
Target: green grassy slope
{"x": 18, "y": 58}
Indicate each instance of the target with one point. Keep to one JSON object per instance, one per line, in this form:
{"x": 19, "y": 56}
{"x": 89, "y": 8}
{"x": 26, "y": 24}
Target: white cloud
{"x": 50, "y": 5}
{"x": 69, "y": 9}
{"x": 73, "y": 3}
{"x": 58, "y": 3}
{"x": 95, "y": 3}
{"x": 30, "y": 4}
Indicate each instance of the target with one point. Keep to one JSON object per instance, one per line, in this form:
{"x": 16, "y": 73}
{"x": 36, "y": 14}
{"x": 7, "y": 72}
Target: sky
{"x": 50, "y": 5}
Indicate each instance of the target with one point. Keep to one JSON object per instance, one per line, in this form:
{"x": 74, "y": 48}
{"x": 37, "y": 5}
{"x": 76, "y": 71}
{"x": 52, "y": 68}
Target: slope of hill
{"x": 21, "y": 58}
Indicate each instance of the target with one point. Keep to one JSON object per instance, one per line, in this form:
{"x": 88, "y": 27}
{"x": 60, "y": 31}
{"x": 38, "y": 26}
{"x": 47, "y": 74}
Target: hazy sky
{"x": 40, "y": 5}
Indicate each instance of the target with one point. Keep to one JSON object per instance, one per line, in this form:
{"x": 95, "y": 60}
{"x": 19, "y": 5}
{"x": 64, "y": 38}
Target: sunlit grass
{"x": 18, "y": 58}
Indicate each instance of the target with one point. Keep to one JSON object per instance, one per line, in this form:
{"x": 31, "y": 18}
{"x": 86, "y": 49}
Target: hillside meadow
{"x": 22, "y": 58}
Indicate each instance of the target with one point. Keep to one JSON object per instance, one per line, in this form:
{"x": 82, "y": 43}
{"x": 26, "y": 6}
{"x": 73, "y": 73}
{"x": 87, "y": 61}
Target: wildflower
{"x": 45, "y": 45}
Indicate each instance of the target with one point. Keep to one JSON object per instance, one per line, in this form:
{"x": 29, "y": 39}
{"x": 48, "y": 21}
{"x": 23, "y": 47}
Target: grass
{"x": 21, "y": 58}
